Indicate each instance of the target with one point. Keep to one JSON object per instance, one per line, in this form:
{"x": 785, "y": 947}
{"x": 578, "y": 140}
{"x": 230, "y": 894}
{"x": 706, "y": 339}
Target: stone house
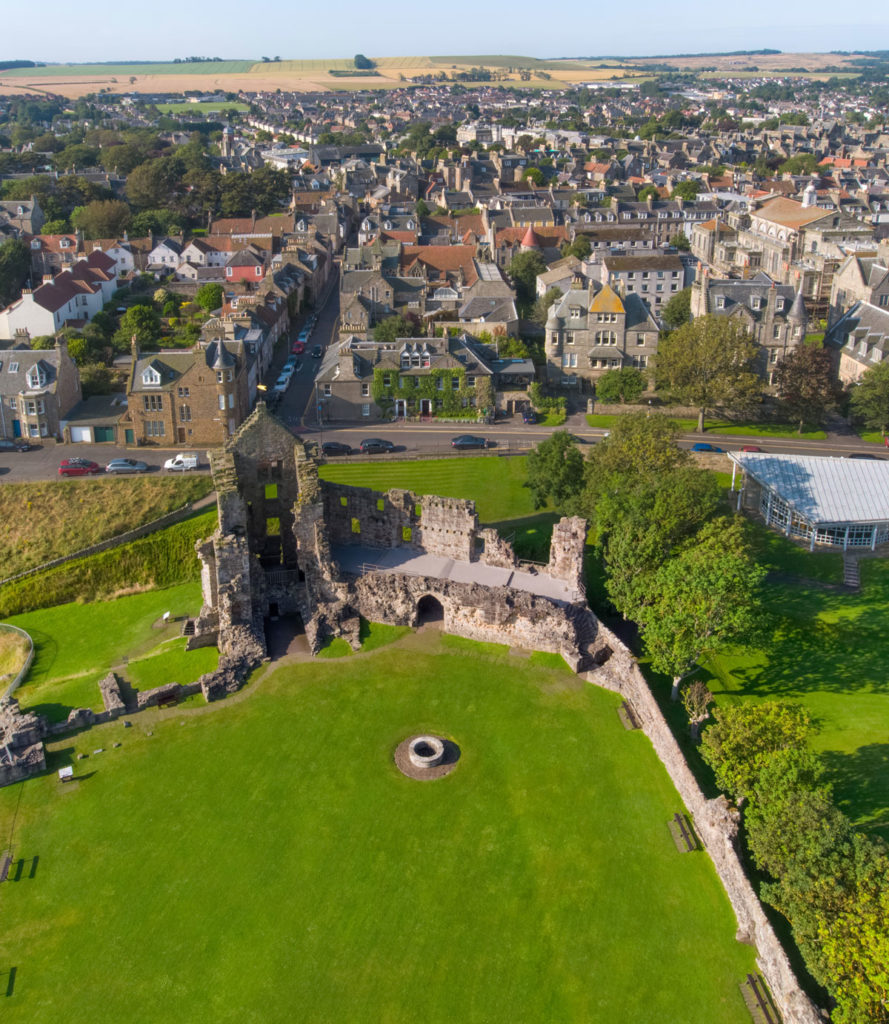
{"x": 592, "y": 330}
{"x": 655, "y": 278}
{"x": 859, "y": 278}
{"x": 774, "y": 314}
{"x": 21, "y": 217}
{"x": 38, "y": 387}
{"x": 859, "y": 340}
{"x": 195, "y": 398}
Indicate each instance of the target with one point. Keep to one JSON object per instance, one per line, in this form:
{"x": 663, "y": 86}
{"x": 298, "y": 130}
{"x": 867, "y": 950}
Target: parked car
{"x": 291, "y": 366}
{"x": 465, "y": 441}
{"x": 317, "y": 352}
{"x": 126, "y": 466}
{"x": 335, "y": 448}
{"x": 375, "y": 445}
{"x": 78, "y": 467}
{"x": 864, "y": 455}
{"x": 298, "y": 347}
{"x": 283, "y": 382}
{"x": 751, "y": 448}
{"x": 704, "y": 446}
{"x": 529, "y": 415}
{"x": 304, "y": 334}
{"x": 14, "y": 445}
{"x": 182, "y": 462}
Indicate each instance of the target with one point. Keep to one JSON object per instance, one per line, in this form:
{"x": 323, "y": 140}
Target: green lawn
{"x": 171, "y": 663}
{"x": 263, "y": 859}
{"x": 76, "y": 644}
{"x": 199, "y": 108}
{"x": 223, "y": 67}
{"x": 727, "y": 427}
{"x": 496, "y": 484}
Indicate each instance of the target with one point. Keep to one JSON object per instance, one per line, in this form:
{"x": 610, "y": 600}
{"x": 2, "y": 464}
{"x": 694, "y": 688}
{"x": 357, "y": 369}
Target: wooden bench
{"x": 168, "y": 699}
{"x": 683, "y": 834}
{"x": 5, "y": 864}
{"x": 759, "y": 1000}
{"x": 628, "y": 716}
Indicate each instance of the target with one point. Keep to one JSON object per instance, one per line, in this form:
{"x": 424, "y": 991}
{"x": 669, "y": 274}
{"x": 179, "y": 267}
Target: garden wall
{"x": 716, "y": 823}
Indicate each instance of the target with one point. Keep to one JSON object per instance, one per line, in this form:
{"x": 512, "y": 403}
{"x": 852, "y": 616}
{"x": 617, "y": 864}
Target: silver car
{"x": 126, "y": 466}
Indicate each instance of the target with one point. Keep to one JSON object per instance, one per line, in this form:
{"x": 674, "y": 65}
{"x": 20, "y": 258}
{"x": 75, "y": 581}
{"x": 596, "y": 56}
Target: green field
{"x": 728, "y": 427}
{"x": 200, "y": 108}
{"x": 496, "y": 484}
{"x": 76, "y": 644}
{"x": 263, "y": 860}
{"x": 224, "y": 67}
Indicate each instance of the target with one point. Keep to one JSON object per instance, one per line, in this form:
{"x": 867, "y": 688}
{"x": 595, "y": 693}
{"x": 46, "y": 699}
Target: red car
{"x": 78, "y": 467}
{"x": 751, "y": 448}
{"x": 297, "y": 348}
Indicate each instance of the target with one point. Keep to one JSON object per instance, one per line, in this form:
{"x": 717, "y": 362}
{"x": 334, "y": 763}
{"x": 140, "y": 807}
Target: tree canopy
{"x": 555, "y": 471}
{"x": 807, "y": 385}
{"x": 870, "y": 398}
{"x": 677, "y": 311}
{"x": 709, "y": 362}
{"x": 523, "y": 269}
{"x": 624, "y": 384}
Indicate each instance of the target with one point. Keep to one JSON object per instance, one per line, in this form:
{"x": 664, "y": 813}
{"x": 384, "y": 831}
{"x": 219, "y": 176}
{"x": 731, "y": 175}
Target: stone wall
{"x": 566, "y": 552}
{"x": 381, "y": 517}
{"x": 716, "y": 823}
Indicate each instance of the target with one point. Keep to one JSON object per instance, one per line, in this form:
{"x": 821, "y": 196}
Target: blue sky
{"x": 248, "y": 29}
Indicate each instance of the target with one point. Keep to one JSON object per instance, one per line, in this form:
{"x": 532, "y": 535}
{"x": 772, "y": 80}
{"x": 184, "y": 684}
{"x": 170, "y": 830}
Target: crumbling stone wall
{"x": 496, "y": 551}
{"x": 566, "y": 551}
{"x": 111, "y": 695}
{"x": 384, "y": 519}
{"x": 716, "y": 823}
{"x": 21, "y": 742}
{"x": 448, "y": 527}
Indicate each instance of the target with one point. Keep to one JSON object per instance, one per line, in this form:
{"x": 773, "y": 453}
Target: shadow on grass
{"x": 530, "y": 536}
{"x": 46, "y": 650}
{"x": 10, "y": 982}
{"x": 54, "y": 712}
{"x": 861, "y": 786}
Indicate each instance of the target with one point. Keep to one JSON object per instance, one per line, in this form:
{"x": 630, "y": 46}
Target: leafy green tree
{"x": 746, "y": 736}
{"x": 523, "y": 269}
{"x": 555, "y": 471}
{"x": 209, "y": 296}
{"x": 687, "y": 190}
{"x": 622, "y": 385}
{"x": 152, "y": 184}
{"x": 96, "y": 379}
{"x": 702, "y": 600}
{"x": 807, "y": 384}
{"x": 141, "y": 322}
{"x": 363, "y": 63}
{"x": 422, "y": 208}
{"x": 534, "y": 174}
{"x": 802, "y": 163}
{"x": 648, "y": 192}
{"x": 161, "y": 222}
{"x": 696, "y": 699}
{"x": 580, "y": 248}
{"x": 55, "y": 227}
{"x": 395, "y": 327}
{"x": 102, "y": 219}
{"x": 709, "y": 362}
{"x": 870, "y": 398}
{"x": 15, "y": 264}
{"x": 680, "y": 241}
{"x": 540, "y": 309}
{"x": 677, "y": 311}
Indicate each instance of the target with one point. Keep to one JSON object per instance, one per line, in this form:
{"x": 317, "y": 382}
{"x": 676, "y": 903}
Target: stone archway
{"x": 430, "y": 611}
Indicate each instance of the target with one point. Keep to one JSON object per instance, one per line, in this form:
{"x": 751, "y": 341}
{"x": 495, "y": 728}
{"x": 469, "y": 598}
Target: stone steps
{"x": 851, "y": 571}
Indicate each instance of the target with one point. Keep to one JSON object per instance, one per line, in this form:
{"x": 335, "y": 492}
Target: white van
{"x": 182, "y": 462}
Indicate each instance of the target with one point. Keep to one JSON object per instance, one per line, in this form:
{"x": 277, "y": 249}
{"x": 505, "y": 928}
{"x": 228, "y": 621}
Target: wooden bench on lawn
{"x": 759, "y": 1001}
{"x": 683, "y": 834}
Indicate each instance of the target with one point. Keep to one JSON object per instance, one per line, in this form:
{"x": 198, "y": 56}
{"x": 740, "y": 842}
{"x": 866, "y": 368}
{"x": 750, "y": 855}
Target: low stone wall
{"x": 23, "y": 671}
{"x": 716, "y": 823}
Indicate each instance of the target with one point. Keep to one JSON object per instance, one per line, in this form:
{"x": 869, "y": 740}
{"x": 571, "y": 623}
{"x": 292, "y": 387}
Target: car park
{"x": 335, "y": 448}
{"x": 375, "y": 445}
{"x": 317, "y": 352}
{"x": 126, "y": 466}
{"x": 704, "y": 446}
{"x": 78, "y": 467}
{"x": 14, "y": 445}
{"x": 467, "y": 441}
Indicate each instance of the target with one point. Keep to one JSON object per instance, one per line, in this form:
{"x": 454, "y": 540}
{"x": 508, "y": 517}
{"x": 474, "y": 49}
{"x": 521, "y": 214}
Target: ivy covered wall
{"x": 448, "y": 390}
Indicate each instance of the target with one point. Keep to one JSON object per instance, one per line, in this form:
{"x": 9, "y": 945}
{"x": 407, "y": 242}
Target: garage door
{"x": 83, "y": 435}
{"x": 104, "y": 433}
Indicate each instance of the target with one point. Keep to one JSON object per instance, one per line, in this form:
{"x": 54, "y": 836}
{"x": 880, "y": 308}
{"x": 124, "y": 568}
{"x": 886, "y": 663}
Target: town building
{"x": 38, "y": 387}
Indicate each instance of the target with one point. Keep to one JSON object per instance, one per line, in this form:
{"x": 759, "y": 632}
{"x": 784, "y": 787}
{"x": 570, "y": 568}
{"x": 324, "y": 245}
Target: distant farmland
{"x": 222, "y": 67}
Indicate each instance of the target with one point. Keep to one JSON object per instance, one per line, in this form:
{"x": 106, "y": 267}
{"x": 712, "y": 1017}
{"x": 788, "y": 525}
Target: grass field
{"x": 728, "y": 427}
{"x": 264, "y": 854}
{"x": 225, "y": 67}
{"x": 13, "y": 653}
{"x": 47, "y": 520}
{"x": 496, "y": 484}
{"x": 199, "y": 108}
{"x": 76, "y": 644}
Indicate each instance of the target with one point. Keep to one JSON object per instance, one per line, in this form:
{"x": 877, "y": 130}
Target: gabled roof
{"x": 788, "y": 213}
{"x": 607, "y": 301}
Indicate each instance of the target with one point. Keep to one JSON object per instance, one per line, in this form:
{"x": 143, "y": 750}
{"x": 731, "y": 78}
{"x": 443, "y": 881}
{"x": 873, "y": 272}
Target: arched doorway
{"x": 429, "y": 611}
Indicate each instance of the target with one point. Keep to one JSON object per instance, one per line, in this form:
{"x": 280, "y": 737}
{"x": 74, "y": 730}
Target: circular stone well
{"x": 426, "y": 757}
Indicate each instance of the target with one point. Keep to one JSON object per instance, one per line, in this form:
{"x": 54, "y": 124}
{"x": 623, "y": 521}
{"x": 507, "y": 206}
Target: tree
{"x": 394, "y": 327}
{"x": 687, "y": 190}
{"x": 102, "y": 219}
{"x": 677, "y": 311}
{"x": 533, "y": 174}
{"x": 152, "y": 184}
{"x": 620, "y": 385}
{"x": 422, "y": 208}
{"x": 701, "y": 600}
{"x": 523, "y": 269}
{"x": 680, "y": 241}
{"x": 15, "y": 264}
{"x": 363, "y": 63}
{"x": 807, "y": 385}
{"x": 709, "y": 362}
{"x": 580, "y": 248}
{"x": 696, "y": 699}
{"x": 870, "y": 397}
{"x": 540, "y": 310}
{"x": 209, "y": 296}
{"x": 555, "y": 470}
{"x": 648, "y": 192}
{"x": 139, "y": 321}
{"x": 746, "y": 735}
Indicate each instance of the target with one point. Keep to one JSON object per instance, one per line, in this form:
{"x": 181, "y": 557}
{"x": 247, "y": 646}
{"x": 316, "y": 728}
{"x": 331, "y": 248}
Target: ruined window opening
{"x": 271, "y": 491}
{"x": 380, "y": 504}
{"x": 406, "y": 533}
{"x": 273, "y": 527}
{"x": 418, "y": 510}
{"x": 356, "y": 526}
{"x": 344, "y": 501}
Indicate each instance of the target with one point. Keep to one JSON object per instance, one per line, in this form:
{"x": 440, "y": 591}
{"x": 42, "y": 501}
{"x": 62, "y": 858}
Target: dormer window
{"x": 36, "y": 377}
{"x": 720, "y": 302}
{"x": 64, "y": 243}
{"x": 151, "y": 378}
{"x": 405, "y": 360}
{"x": 755, "y": 302}
{"x": 13, "y": 368}
{"x": 35, "y": 243}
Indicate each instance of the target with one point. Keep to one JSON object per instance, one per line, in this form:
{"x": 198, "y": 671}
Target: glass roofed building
{"x": 826, "y": 501}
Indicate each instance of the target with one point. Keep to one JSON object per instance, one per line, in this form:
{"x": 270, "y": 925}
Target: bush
{"x": 623, "y": 385}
